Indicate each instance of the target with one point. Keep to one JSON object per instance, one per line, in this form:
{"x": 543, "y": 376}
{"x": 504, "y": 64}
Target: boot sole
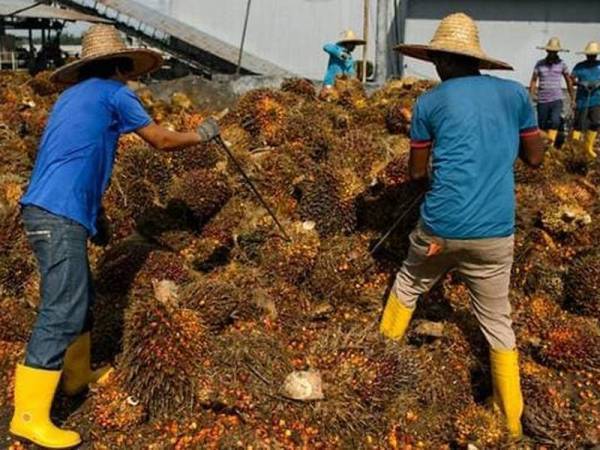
{"x": 30, "y": 441}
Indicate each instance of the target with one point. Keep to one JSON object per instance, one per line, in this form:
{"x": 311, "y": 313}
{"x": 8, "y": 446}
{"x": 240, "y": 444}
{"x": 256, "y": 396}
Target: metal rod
{"x": 396, "y": 223}
{"x": 224, "y": 146}
{"x": 239, "y": 63}
{"x": 365, "y": 37}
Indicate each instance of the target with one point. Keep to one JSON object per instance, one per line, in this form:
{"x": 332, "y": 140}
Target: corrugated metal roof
{"x": 192, "y": 36}
{"x": 44, "y": 12}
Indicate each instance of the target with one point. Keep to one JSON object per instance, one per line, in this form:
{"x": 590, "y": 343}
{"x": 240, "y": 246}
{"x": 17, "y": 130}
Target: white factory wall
{"x": 510, "y": 29}
{"x": 290, "y": 33}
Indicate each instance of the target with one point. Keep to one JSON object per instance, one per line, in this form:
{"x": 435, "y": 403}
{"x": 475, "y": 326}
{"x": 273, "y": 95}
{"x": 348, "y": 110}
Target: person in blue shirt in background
{"x": 472, "y": 127}
{"x": 341, "y": 61}
{"x": 61, "y": 211}
{"x": 587, "y": 109}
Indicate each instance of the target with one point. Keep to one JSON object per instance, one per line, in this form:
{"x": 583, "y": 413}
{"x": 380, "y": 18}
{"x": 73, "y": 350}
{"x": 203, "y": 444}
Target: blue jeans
{"x": 549, "y": 115}
{"x": 67, "y": 293}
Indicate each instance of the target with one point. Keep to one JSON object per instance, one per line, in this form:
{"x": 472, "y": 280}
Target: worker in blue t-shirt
{"x": 340, "y": 58}
{"x": 472, "y": 128}
{"x": 61, "y": 210}
{"x": 587, "y": 109}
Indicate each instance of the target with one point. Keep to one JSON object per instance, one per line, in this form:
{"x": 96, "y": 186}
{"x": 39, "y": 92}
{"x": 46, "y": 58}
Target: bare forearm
{"x": 173, "y": 140}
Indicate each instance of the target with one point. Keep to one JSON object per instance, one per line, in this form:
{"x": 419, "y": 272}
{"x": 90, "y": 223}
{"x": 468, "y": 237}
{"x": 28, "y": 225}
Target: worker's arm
{"x": 418, "y": 162}
{"x": 533, "y": 84}
{"x": 569, "y": 81}
{"x": 166, "y": 140}
{"x": 336, "y": 50}
{"x": 531, "y": 149}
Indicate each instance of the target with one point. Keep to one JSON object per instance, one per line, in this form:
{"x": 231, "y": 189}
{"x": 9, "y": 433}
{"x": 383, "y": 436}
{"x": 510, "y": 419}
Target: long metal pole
{"x": 240, "y": 169}
{"x": 239, "y": 64}
{"x": 366, "y": 5}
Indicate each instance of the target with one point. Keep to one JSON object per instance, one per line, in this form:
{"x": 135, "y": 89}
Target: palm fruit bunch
{"x": 161, "y": 265}
{"x": 341, "y": 271}
{"x": 350, "y": 92}
{"x": 480, "y": 427}
{"x": 290, "y": 261}
{"x": 310, "y": 128}
{"x": 361, "y": 151}
{"x": 16, "y": 320}
{"x": 582, "y": 284}
{"x": 571, "y": 344}
{"x": 319, "y": 201}
{"x": 262, "y": 113}
{"x": 398, "y": 117}
{"x": 548, "y": 415}
{"x": 224, "y": 297}
{"x": 200, "y": 193}
{"x": 300, "y": 86}
{"x": 162, "y": 349}
{"x": 113, "y": 409}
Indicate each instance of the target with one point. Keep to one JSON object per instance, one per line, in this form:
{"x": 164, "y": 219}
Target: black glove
{"x": 208, "y": 129}
{"x": 103, "y": 230}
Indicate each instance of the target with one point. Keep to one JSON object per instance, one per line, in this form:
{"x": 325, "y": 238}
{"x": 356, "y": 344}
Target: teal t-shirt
{"x": 340, "y": 63}
{"x": 474, "y": 124}
{"x": 76, "y": 156}
{"x": 587, "y": 71}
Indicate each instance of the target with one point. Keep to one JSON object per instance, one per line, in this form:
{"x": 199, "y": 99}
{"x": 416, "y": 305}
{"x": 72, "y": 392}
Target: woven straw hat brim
{"x": 144, "y": 61}
{"x": 554, "y": 49}
{"x": 596, "y": 52}
{"x": 423, "y": 52}
{"x": 352, "y": 41}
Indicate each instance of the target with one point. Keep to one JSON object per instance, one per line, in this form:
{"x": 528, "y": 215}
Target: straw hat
{"x": 593, "y": 48}
{"x": 553, "y": 45}
{"x": 456, "y": 34}
{"x": 350, "y": 37}
{"x": 104, "y": 42}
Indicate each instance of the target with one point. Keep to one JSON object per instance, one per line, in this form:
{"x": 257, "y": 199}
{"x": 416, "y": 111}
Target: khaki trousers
{"x": 485, "y": 264}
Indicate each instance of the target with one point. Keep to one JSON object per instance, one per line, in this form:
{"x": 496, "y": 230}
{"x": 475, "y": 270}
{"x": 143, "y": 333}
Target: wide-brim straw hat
{"x": 102, "y": 42}
{"x": 350, "y": 37}
{"x": 593, "y": 48}
{"x": 457, "y": 34}
{"x": 553, "y": 45}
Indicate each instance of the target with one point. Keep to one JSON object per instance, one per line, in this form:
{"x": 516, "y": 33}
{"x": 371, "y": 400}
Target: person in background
{"x": 587, "y": 110}
{"x": 61, "y": 210}
{"x": 546, "y": 85}
{"x": 472, "y": 127}
{"x": 341, "y": 61}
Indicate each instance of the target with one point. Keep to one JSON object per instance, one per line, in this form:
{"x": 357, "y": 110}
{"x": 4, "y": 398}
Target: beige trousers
{"x": 485, "y": 264}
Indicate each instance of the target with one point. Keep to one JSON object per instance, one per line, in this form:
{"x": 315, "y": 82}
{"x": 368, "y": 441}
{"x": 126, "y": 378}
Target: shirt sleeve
{"x": 565, "y": 68}
{"x": 420, "y": 132}
{"x": 527, "y": 118}
{"x": 130, "y": 112}
{"x": 334, "y": 50}
{"x": 536, "y": 69}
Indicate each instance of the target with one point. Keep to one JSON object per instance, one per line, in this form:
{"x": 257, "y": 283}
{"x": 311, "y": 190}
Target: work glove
{"x": 208, "y": 129}
{"x": 103, "y": 230}
{"x": 345, "y": 55}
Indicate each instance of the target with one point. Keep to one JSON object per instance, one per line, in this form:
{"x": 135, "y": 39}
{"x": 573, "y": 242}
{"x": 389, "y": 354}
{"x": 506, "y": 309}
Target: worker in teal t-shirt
{"x": 587, "y": 109}
{"x": 340, "y": 57}
{"x": 61, "y": 210}
{"x": 471, "y": 128}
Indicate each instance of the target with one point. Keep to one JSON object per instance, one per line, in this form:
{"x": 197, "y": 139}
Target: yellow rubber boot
{"x": 590, "y": 141}
{"x": 77, "y": 372}
{"x": 395, "y": 319}
{"x": 576, "y": 135}
{"x": 552, "y": 135}
{"x": 507, "y": 388}
{"x": 34, "y": 393}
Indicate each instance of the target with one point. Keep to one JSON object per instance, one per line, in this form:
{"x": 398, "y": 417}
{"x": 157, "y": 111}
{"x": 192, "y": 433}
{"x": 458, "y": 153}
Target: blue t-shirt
{"x": 587, "y": 71}
{"x": 340, "y": 63}
{"x": 76, "y": 156}
{"x": 474, "y": 124}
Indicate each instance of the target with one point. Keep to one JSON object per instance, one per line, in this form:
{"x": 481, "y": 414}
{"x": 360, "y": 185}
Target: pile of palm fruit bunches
{"x": 224, "y": 334}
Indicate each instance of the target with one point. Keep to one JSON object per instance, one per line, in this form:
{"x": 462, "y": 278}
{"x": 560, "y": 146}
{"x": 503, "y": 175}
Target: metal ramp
{"x": 197, "y": 49}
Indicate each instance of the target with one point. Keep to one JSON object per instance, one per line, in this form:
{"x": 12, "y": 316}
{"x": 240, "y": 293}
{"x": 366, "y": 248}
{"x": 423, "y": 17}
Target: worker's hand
{"x": 209, "y": 129}
{"x": 345, "y": 55}
{"x": 103, "y": 230}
